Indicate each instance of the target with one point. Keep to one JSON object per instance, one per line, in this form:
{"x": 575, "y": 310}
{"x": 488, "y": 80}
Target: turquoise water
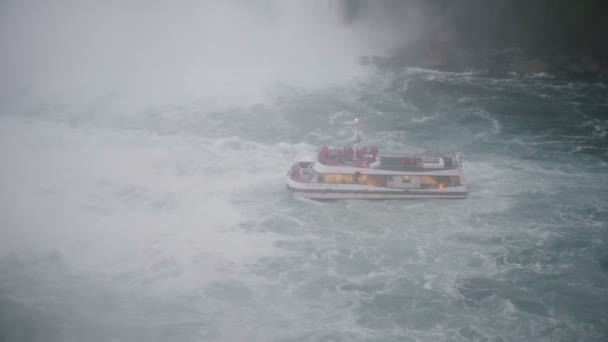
{"x": 173, "y": 222}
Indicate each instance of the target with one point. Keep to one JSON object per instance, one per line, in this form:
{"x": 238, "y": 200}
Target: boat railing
{"x": 427, "y": 154}
{"x": 426, "y": 159}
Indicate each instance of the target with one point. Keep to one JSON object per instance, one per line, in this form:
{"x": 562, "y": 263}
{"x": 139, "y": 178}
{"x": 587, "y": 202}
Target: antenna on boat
{"x": 358, "y": 136}
{"x": 358, "y": 132}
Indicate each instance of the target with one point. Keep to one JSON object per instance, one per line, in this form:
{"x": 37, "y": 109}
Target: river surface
{"x": 173, "y": 222}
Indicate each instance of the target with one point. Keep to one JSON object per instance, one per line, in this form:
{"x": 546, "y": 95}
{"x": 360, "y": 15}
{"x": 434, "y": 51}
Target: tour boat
{"x": 363, "y": 172}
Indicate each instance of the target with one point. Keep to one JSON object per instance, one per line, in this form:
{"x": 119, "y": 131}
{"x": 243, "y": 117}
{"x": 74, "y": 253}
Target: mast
{"x": 358, "y": 136}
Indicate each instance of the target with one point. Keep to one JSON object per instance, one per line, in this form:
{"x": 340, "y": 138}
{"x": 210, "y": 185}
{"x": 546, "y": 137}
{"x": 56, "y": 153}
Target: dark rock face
{"x": 566, "y": 26}
{"x": 590, "y": 64}
{"x": 529, "y": 66}
{"x": 559, "y": 37}
{"x": 447, "y": 57}
{"x": 560, "y": 61}
{"x": 575, "y": 67}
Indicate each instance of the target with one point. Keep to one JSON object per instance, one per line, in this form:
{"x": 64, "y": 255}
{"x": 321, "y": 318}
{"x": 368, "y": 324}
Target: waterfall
{"x": 153, "y": 52}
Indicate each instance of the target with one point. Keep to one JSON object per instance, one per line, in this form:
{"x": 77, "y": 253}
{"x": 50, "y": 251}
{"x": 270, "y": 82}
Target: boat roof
{"x": 368, "y": 160}
{"x": 345, "y": 169}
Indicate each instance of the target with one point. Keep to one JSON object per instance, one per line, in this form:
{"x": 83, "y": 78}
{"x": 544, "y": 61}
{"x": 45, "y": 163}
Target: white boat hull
{"x": 370, "y": 195}
{"x": 353, "y": 191}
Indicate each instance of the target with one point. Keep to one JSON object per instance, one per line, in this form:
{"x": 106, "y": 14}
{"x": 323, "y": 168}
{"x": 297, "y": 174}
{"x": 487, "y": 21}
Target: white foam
{"x": 539, "y": 75}
{"x": 425, "y": 118}
{"x": 485, "y": 115}
{"x": 439, "y": 73}
{"x": 113, "y": 202}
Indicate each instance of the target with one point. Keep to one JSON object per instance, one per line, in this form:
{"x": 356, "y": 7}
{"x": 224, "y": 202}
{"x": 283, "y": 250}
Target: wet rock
{"x": 529, "y": 66}
{"x": 491, "y": 60}
{"x": 590, "y": 64}
{"x": 561, "y": 61}
{"x": 603, "y": 73}
{"x": 575, "y": 67}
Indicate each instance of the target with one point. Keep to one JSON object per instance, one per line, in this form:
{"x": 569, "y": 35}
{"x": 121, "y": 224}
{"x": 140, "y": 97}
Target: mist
{"x": 144, "y": 53}
{"x": 144, "y": 147}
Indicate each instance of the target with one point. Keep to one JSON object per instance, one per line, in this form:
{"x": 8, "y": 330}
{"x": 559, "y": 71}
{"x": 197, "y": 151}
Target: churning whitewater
{"x": 122, "y": 219}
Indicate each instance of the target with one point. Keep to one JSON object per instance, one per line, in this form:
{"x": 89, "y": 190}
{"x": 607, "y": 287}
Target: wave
{"x": 496, "y": 126}
{"x": 425, "y": 118}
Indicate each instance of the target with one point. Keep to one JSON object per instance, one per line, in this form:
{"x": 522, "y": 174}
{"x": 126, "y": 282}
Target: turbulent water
{"x": 172, "y": 222}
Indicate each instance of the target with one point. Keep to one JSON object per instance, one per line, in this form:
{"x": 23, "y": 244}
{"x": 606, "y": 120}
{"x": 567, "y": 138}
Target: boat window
{"x": 428, "y": 160}
{"x": 337, "y": 178}
{"x": 304, "y": 165}
{"x": 373, "y": 180}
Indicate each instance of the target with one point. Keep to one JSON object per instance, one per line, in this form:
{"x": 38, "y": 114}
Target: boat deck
{"x": 369, "y": 158}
